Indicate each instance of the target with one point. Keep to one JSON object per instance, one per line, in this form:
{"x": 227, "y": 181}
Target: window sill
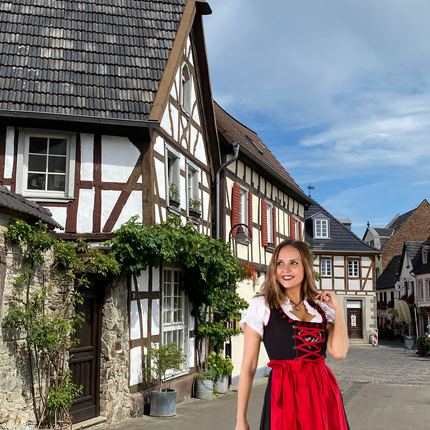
{"x": 175, "y": 210}
{"x": 50, "y": 199}
{"x": 185, "y": 112}
{"x": 270, "y": 248}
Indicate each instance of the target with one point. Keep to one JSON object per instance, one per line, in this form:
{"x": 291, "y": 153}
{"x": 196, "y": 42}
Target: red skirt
{"x": 302, "y": 395}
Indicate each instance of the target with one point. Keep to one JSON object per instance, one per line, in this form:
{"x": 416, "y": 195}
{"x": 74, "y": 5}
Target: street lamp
{"x": 240, "y": 236}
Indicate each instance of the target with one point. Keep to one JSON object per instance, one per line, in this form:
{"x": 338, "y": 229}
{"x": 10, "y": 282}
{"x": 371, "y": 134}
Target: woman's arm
{"x": 251, "y": 350}
{"x": 337, "y": 334}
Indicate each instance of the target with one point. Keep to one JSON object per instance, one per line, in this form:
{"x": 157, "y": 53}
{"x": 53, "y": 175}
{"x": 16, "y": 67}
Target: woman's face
{"x": 289, "y": 268}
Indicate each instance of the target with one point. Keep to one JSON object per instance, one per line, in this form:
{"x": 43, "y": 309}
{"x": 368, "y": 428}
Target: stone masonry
{"x": 416, "y": 228}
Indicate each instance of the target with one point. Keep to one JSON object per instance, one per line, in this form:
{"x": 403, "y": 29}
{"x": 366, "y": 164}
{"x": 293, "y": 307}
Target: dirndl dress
{"x": 302, "y": 392}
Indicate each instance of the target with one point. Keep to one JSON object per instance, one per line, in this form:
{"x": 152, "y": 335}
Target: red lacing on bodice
{"x": 314, "y": 332}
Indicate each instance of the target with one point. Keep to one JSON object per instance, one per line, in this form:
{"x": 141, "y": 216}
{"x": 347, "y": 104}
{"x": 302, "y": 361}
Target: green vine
{"x": 43, "y": 308}
{"x": 210, "y": 270}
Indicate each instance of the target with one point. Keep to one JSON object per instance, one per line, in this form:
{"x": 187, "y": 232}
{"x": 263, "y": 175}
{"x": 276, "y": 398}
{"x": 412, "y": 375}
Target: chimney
{"x": 346, "y": 222}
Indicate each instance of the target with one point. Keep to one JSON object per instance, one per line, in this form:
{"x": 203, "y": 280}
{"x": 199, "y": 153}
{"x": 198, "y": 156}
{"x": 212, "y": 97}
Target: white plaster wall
{"x": 157, "y": 213}
{"x": 60, "y": 215}
{"x": 136, "y": 376}
{"x": 85, "y": 211}
{"x": 87, "y": 156}
{"x": 354, "y": 284}
{"x": 160, "y": 178}
{"x": 9, "y": 152}
{"x": 165, "y": 121}
{"x": 338, "y": 260}
{"x": 155, "y": 324}
{"x": 144, "y": 310}
{"x": 119, "y": 156}
{"x": 366, "y": 261}
{"x": 339, "y": 272}
{"x": 175, "y": 117}
{"x": 200, "y": 153}
{"x": 326, "y": 284}
{"x": 339, "y": 284}
{"x": 193, "y": 137}
{"x": 205, "y": 206}
{"x": 190, "y": 355}
{"x": 155, "y": 279}
{"x": 159, "y": 145}
{"x": 134, "y": 321}
{"x": 143, "y": 281}
{"x": 131, "y": 208}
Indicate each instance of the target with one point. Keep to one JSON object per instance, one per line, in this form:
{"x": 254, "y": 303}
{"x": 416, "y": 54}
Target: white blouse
{"x": 258, "y": 314}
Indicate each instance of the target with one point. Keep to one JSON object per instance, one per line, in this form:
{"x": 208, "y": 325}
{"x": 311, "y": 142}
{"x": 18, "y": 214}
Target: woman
{"x": 302, "y": 393}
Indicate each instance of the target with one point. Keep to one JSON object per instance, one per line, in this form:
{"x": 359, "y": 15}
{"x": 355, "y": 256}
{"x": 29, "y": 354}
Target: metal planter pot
{"x": 163, "y": 403}
{"x": 221, "y": 385}
{"x": 203, "y": 388}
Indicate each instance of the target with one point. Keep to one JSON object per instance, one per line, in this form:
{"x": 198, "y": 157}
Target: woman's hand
{"x": 242, "y": 425}
{"x": 330, "y": 299}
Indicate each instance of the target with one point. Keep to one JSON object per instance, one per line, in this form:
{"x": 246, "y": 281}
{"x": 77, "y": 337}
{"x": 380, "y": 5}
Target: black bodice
{"x": 286, "y": 339}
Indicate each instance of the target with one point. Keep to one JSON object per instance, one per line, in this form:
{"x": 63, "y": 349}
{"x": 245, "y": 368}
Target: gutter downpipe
{"x": 236, "y": 147}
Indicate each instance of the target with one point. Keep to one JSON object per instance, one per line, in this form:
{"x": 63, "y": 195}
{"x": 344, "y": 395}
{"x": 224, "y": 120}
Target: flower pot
{"x": 174, "y": 201}
{"x": 163, "y": 403}
{"x": 203, "y": 388}
{"x": 221, "y": 385}
{"x": 194, "y": 213}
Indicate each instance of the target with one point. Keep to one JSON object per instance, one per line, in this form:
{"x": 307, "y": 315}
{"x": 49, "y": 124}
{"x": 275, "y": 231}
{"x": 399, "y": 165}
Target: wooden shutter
{"x": 235, "y": 206}
{"x": 274, "y": 225}
{"x": 250, "y": 212}
{"x": 292, "y": 227}
{"x": 264, "y": 241}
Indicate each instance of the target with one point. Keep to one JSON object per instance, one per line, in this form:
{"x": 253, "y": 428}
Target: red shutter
{"x": 235, "y": 206}
{"x": 274, "y": 225}
{"x": 264, "y": 241}
{"x": 292, "y": 227}
{"x": 250, "y": 212}
{"x": 300, "y": 231}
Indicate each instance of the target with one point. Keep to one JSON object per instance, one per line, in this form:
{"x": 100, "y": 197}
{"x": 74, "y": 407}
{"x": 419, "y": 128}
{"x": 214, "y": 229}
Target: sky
{"x": 339, "y": 90}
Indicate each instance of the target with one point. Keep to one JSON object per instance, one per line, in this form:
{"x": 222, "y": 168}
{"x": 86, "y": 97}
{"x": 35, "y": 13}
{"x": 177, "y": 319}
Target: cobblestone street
{"x": 385, "y": 364}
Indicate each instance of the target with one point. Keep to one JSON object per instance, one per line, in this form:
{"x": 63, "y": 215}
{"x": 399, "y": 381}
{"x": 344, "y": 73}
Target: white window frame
{"x": 186, "y": 88}
{"x": 193, "y": 184}
{"x": 243, "y": 206}
{"x": 269, "y": 215}
{"x": 353, "y": 268}
{"x": 23, "y": 159}
{"x": 319, "y": 228}
{"x": 421, "y": 289}
{"x": 326, "y": 267}
{"x": 175, "y": 175}
{"x": 175, "y": 325}
{"x": 425, "y": 256}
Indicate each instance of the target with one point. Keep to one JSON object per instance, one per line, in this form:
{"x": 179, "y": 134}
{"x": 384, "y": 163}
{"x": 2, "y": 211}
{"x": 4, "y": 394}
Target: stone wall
{"x": 416, "y": 228}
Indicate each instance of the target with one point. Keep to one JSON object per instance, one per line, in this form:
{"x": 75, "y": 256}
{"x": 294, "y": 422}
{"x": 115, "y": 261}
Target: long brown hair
{"x": 272, "y": 289}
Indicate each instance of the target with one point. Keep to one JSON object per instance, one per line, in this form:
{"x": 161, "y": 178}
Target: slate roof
{"x": 400, "y": 220}
{"x": 390, "y": 275}
{"x": 384, "y": 231}
{"x": 92, "y": 58}
{"x": 17, "y": 203}
{"x": 341, "y": 238}
{"x": 250, "y": 141}
{"x": 414, "y": 251}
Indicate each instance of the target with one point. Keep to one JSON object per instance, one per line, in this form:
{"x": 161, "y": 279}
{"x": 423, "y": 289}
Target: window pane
{"x": 37, "y": 163}
{"x": 57, "y": 146}
{"x": 36, "y": 181}
{"x": 38, "y": 145}
{"x": 55, "y": 164}
{"x": 56, "y": 182}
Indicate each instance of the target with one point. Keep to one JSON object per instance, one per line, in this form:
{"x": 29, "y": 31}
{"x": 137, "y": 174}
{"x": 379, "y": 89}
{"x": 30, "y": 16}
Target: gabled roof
{"x": 399, "y": 220}
{"x": 90, "y": 58}
{"x": 386, "y": 232}
{"x": 15, "y": 203}
{"x": 252, "y": 146}
{"x": 414, "y": 252}
{"x": 390, "y": 275}
{"x": 341, "y": 238}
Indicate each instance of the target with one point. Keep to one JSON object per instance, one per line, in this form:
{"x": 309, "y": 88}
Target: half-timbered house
{"x": 106, "y": 113}
{"x": 347, "y": 266}
{"x": 257, "y": 192}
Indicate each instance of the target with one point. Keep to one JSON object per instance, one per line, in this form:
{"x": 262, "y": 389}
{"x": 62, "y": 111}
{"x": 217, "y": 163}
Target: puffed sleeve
{"x": 256, "y": 316}
{"x": 329, "y": 312}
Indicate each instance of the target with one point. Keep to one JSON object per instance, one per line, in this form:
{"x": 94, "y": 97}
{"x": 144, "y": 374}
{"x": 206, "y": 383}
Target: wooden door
{"x": 354, "y": 323}
{"x": 85, "y": 358}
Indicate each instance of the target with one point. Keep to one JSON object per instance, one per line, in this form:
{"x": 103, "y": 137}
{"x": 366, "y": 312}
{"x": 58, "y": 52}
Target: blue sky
{"x": 338, "y": 90}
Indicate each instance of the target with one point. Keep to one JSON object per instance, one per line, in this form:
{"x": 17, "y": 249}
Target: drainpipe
{"x": 236, "y": 147}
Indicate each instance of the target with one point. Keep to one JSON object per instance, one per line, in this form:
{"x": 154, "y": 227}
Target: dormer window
{"x": 321, "y": 229}
{"x": 186, "y": 89}
{"x": 425, "y": 256}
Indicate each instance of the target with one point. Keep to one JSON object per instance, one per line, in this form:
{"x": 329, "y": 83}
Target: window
{"x": 46, "y": 164}
{"x": 269, "y": 211}
{"x": 297, "y": 229}
{"x": 321, "y": 228}
{"x": 428, "y": 289}
{"x": 173, "y": 309}
{"x": 194, "y": 202}
{"x": 421, "y": 289}
{"x": 425, "y": 253}
{"x": 353, "y": 268}
{"x": 243, "y": 206}
{"x": 186, "y": 89}
{"x": 325, "y": 267}
{"x": 173, "y": 177}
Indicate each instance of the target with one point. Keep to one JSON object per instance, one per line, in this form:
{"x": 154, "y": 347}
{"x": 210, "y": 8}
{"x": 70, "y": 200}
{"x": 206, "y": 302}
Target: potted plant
{"x": 194, "y": 207}
{"x": 163, "y": 362}
{"x": 174, "y": 198}
{"x": 204, "y": 384}
{"x": 223, "y": 366}
{"x": 421, "y": 346}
